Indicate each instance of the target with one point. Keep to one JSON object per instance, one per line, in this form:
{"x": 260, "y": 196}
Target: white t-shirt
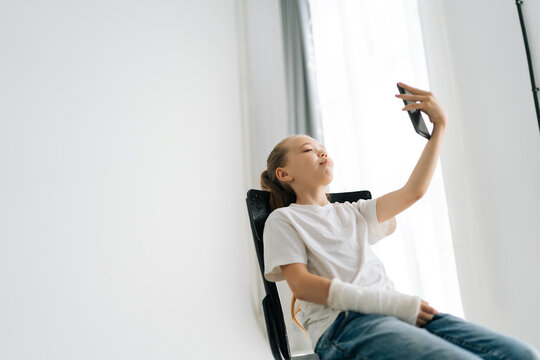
{"x": 333, "y": 241}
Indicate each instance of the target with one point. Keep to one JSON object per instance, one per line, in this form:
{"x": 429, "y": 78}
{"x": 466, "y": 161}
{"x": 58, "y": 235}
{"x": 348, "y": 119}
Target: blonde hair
{"x": 281, "y": 195}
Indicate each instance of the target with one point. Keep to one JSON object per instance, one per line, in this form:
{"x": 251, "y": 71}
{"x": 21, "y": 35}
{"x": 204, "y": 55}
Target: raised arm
{"x": 395, "y": 202}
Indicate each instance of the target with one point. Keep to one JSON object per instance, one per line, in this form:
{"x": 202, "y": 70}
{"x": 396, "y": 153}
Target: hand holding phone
{"x": 416, "y": 116}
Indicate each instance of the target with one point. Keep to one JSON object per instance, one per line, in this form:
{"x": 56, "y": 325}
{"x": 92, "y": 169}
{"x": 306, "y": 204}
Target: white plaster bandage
{"x": 344, "y": 296}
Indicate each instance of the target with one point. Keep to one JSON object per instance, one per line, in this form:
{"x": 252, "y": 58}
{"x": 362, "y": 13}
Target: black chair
{"x": 258, "y": 209}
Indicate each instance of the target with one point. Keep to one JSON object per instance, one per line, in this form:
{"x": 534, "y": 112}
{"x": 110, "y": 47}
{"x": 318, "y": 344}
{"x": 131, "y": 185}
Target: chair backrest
{"x": 258, "y": 206}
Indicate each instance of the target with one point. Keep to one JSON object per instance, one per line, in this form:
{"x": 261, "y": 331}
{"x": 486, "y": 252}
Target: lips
{"x": 324, "y": 162}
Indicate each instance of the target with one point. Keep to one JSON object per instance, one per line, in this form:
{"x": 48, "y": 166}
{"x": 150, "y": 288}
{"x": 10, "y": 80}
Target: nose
{"x": 323, "y": 155}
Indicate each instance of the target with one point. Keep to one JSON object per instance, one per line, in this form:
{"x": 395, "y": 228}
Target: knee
{"x": 524, "y": 351}
{"x": 530, "y": 353}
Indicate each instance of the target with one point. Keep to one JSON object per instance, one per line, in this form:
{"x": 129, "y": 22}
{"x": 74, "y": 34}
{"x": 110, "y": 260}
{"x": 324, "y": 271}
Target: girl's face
{"x": 307, "y": 164}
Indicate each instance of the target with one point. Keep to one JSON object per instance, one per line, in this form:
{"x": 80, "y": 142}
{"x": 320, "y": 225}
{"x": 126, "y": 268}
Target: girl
{"x": 322, "y": 250}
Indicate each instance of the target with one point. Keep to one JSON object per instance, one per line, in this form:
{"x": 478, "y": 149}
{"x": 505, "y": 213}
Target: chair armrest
{"x": 306, "y": 357}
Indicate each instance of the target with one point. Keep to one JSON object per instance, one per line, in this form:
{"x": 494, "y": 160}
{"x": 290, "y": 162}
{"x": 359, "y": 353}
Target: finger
{"x": 413, "y": 106}
{"x": 425, "y": 316}
{"x": 412, "y": 89}
{"x": 411, "y": 97}
{"x": 421, "y": 322}
{"x": 425, "y": 308}
{"x": 429, "y": 309}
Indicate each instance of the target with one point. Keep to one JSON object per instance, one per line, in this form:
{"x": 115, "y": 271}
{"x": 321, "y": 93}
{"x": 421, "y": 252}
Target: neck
{"x": 315, "y": 196}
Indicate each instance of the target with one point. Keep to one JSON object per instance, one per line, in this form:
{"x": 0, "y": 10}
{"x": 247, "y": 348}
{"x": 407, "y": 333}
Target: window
{"x": 361, "y": 50}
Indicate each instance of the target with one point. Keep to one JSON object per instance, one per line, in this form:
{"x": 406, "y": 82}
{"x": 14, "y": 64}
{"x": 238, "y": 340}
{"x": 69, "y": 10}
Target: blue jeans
{"x": 359, "y": 336}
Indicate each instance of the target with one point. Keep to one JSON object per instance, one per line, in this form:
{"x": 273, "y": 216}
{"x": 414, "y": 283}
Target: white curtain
{"x": 362, "y": 49}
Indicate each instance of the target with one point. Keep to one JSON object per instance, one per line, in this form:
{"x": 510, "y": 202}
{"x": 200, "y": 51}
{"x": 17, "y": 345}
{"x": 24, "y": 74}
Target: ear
{"x": 283, "y": 175}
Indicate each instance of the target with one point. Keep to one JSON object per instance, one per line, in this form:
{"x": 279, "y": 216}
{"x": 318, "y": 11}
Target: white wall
{"x": 491, "y": 156}
{"x": 123, "y": 230}
{"x": 266, "y": 86}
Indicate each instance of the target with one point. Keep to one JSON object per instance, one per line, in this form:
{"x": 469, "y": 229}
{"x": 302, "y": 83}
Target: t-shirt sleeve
{"x": 282, "y": 246}
{"x": 376, "y": 230}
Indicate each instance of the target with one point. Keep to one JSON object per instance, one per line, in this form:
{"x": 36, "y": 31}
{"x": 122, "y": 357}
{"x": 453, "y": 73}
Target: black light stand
{"x": 535, "y": 89}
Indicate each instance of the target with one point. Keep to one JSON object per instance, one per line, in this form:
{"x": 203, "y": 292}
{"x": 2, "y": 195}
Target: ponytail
{"x": 293, "y": 314}
{"x": 280, "y": 195}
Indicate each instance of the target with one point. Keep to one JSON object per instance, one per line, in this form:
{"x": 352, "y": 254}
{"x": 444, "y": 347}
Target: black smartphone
{"x": 416, "y": 117}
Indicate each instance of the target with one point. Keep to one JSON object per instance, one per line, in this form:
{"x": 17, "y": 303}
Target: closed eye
{"x": 308, "y": 150}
